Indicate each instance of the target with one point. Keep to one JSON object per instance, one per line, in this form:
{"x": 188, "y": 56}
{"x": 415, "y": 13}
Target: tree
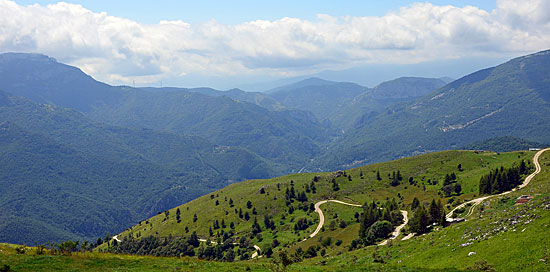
{"x": 369, "y": 216}
{"x": 378, "y": 175}
{"x": 435, "y": 212}
{"x": 195, "y": 218}
{"x": 178, "y": 215}
{"x": 256, "y": 227}
{"x": 458, "y": 188}
{"x": 267, "y": 223}
{"x": 229, "y": 255}
{"x": 380, "y": 229}
{"x": 420, "y": 220}
{"x": 415, "y": 203}
{"x": 311, "y": 252}
{"x": 194, "y": 239}
{"x": 335, "y": 186}
{"x": 249, "y": 204}
{"x": 284, "y": 260}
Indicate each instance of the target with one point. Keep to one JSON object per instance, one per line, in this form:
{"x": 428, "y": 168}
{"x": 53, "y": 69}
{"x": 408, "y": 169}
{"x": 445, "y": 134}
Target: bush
{"x": 21, "y": 249}
{"x": 380, "y": 229}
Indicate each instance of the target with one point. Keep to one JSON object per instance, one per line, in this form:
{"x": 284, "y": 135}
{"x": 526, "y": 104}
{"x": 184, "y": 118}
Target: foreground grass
{"x": 92, "y": 261}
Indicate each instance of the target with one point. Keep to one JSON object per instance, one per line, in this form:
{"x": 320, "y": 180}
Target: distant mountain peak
{"x": 10, "y": 56}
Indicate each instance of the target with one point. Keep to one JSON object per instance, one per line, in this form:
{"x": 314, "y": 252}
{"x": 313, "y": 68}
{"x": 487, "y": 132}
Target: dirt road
{"x": 477, "y": 201}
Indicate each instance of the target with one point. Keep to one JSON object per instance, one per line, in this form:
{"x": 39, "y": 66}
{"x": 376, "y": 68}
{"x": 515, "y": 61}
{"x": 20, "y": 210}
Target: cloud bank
{"x": 118, "y": 50}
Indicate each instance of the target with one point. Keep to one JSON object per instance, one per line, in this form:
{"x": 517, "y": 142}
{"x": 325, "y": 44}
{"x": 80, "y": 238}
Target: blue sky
{"x": 239, "y": 11}
{"x": 227, "y": 44}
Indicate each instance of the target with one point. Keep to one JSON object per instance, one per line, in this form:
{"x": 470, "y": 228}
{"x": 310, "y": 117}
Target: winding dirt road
{"x": 477, "y": 201}
{"x": 322, "y": 216}
{"x": 318, "y": 210}
{"x": 397, "y": 230}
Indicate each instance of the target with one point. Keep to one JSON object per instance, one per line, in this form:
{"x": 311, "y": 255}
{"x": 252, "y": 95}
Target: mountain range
{"x": 121, "y": 154}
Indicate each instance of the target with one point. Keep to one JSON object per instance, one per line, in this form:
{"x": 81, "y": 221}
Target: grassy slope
{"x": 438, "y": 251}
{"x": 422, "y": 168}
{"x": 506, "y": 237}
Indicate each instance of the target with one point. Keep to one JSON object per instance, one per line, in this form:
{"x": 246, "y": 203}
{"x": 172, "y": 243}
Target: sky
{"x": 227, "y": 43}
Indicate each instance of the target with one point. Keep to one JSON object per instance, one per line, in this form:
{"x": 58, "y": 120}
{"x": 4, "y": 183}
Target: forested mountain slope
{"x": 511, "y": 99}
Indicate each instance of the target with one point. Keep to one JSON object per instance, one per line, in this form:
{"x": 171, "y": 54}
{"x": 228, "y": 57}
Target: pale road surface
{"x": 322, "y": 216}
{"x": 318, "y": 210}
{"x": 397, "y": 230}
{"x": 477, "y": 201}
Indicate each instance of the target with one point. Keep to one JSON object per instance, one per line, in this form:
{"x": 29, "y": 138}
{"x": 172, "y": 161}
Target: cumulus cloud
{"x": 119, "y": 50}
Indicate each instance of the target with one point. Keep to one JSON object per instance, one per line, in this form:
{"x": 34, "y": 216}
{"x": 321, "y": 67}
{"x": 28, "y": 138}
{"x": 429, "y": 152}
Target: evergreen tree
{"x": 335, "y": 186}
{"x": 369, "y": 216}
{"x": 256, "y": 227}
{"x": 415, "y": 204}
{"x": 420, "y": 220}
{"x": 435, "y": 212}
{"x": 378, "y": 175}
{"x": 313, "y": 188}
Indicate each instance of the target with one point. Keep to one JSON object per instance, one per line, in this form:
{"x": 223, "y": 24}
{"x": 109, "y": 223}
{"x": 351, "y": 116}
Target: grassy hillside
{"x": 504, "y": 237}
{"x": 267, "y": 198}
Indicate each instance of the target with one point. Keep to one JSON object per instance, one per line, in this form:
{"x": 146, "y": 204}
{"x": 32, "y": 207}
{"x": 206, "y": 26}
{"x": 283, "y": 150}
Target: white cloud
{"x": 118, "y": 50}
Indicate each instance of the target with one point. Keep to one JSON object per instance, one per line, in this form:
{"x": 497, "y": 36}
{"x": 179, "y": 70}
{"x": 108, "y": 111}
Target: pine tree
{"x": 415, "y": 203}
{"x": 378, "y": 175}
{"x": 420, "y": 220}
{"x": 435, "y": 213}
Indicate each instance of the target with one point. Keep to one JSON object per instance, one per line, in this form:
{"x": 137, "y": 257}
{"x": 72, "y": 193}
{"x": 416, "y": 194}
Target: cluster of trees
{"x": 156, "y": 246}
{"x": 423, "y": 218}
{"x": 190, "y": 246}
{"x": 335, "y": 186}
{"x": 377, "y": 222}
{"x": 502, "y": 179}
{"x": 396, "y": 178}
{"x": 302, "y": 224}
{"x": 451, "y": 186}
{"x": 290, "y": 194}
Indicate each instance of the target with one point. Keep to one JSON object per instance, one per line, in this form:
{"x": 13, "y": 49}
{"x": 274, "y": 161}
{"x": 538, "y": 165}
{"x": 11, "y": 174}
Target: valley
{"x": 313, "y": 175}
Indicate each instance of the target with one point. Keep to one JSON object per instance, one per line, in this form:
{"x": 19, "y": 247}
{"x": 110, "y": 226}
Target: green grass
{"x": 525, "y": 249}
{"x": 423, "y": 168}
